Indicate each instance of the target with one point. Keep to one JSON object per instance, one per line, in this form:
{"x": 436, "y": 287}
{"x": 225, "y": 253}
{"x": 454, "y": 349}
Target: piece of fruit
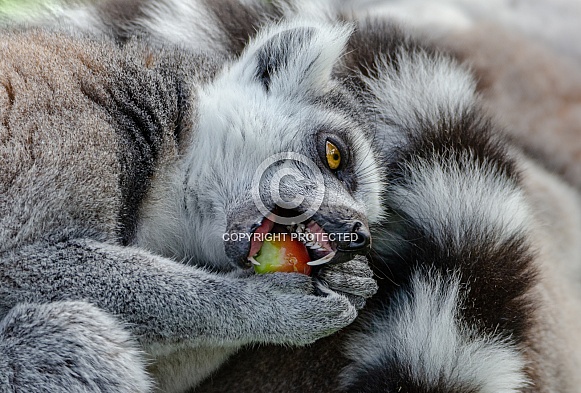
{"x": 283, "y": 255}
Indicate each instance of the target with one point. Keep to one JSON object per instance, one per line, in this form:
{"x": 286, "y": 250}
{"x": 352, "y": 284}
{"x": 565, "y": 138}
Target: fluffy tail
{"x": 455, "y": 307}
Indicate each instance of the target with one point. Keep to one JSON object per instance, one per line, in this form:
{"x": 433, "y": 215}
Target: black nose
{"x": 359, "y": 238}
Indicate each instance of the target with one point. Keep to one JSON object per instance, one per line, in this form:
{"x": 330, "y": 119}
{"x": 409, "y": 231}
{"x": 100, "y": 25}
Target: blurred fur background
{"x": 526, "y": 53}
{"x": 527, "y": 56}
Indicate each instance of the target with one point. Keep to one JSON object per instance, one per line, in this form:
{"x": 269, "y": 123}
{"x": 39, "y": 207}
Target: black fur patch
{"x": 120, "y": 16}
{"x": 144, "y": 106}
{"x": 470, "y": 132}
{"x": 393, "y": 376}
{"x": 495, "y": 278}
{"x": 372, "y": 39}
{"x": 275, "y": 54}
{"x": 495, "y": 274}
{"x": 139, "y": 127}
{"x": 279, "y": 369}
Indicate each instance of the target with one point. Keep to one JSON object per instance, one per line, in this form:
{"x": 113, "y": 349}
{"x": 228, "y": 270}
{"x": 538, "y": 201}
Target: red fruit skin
{"x": 294, "y": 260}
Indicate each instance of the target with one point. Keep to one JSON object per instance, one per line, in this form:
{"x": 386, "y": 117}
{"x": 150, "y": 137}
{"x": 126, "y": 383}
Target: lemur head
{"x": 282, "y": 146}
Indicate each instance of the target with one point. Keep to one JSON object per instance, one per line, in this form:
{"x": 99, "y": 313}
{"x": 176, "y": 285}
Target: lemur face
{"x": 281, "y": 147}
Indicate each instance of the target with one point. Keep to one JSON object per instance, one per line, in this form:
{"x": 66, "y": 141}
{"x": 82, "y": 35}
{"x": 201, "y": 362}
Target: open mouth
{"x": 303, "y": 240}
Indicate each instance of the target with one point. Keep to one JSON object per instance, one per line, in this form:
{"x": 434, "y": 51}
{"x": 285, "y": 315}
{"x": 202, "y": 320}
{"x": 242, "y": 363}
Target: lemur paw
{"x": 310, "y": 318}
{"x": 354, "y": 279}
{"x": 293, "y": 314}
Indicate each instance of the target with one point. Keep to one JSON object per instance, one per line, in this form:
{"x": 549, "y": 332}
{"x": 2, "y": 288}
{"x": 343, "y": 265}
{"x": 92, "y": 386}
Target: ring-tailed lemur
{"x": 475, "y": 294}
{"x": 122, "y": 169}
{"x": 478, "y": 292}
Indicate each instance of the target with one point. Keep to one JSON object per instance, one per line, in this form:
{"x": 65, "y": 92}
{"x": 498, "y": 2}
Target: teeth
{"x": 253, "y": 261}
{"x": 323, "y": 260}
{"x": 314, "y": 245}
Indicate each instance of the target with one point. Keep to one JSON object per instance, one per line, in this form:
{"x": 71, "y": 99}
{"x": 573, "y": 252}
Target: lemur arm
{"x": 166, "y": 302}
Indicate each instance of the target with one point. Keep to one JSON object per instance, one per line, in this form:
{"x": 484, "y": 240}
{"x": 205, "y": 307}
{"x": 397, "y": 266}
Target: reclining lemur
{"x": 477, "y": 257}
{"x": 473, "y": 261}
{"x": 122, "y": 169}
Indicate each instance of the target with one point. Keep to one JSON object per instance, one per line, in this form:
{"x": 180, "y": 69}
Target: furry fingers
{"x": 354, "y": 279}
{"x": 307, "y": 317}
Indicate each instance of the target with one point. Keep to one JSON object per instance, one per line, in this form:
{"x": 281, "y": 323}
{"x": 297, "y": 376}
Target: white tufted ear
{"x": 294, "y": 57}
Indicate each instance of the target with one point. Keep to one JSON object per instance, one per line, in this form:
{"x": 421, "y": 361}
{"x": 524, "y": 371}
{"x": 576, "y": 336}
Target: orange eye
{"x": 333, "y": 156}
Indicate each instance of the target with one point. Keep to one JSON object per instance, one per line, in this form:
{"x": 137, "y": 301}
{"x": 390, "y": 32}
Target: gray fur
{"x": 95, "y": 353}
{"x": 108, "y": 180}
{"x": 472, "y": 195}
{"x": 460, "y": 308}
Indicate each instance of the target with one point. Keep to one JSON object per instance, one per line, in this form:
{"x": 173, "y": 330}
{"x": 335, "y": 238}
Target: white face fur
{"x": 278, "y": 97}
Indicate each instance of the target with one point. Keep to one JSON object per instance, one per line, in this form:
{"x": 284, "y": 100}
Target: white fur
{"x": 554, "y": 22}
{"x": 240, "y": 123}
{"x": 82, "y": 19}
{"x": 314, "y": 10}
{"x": 423, "y": 331}
{"x": 420, "y": 13}
{"x": 310, "y": 72}
{"x": 53, "y": 13}
{"x": 461, "y": 196}
{"x": 183, "y": 23}
{"x": 371, "y": 183}
{"x": 425, "y": 87}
